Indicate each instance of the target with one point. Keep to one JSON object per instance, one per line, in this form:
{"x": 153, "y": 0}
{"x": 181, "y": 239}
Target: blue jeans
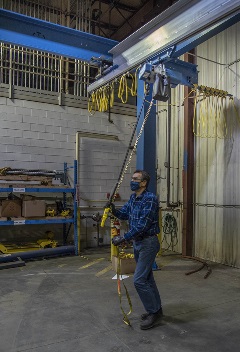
{"x": 145, "y": 252}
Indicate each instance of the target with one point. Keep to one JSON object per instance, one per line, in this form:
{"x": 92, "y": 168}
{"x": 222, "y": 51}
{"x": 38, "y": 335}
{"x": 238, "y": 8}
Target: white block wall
{"x": 37, "y": 135}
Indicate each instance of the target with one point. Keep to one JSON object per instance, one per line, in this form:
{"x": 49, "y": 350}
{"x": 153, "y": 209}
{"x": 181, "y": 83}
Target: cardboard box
{"x": 127, "y": 265}
{"x": 33, "y": 208}
{"x": 11, "y": 208}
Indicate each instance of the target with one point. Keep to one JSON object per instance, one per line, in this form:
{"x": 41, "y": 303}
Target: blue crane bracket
{"x": 177, "y": 72}
{"x": 168, "y": 74}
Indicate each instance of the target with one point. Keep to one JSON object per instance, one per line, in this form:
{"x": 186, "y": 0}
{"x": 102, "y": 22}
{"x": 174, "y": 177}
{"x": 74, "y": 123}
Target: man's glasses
{"x": 136, "y": 179}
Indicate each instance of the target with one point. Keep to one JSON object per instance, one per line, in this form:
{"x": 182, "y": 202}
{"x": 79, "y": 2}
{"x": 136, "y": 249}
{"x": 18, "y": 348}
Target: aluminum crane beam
{"x": 49, "y": 37}
{"x": 184, "y": 25}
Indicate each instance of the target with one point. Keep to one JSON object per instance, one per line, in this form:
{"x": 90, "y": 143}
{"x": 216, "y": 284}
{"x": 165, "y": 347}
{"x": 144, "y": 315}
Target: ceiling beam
{"x": 137, "y": 20}
{"x": 105, "y": 25}
{"x": 118, "y": 5}
{"x": 159, "y": 7}
{"x": 146, "y": 13}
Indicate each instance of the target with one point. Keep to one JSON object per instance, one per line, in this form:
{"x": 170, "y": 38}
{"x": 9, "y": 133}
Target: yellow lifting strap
{"x": 119, "y": 279}
{"x": 105, "y": 216}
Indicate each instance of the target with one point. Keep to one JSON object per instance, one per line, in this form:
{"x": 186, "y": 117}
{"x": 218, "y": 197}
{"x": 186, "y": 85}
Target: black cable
{"x": 170, "y": 228}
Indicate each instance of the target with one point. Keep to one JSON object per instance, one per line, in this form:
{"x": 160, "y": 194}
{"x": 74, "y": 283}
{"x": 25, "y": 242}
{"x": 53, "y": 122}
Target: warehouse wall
{"x": 171, "y": 237}
{"x": 217, "y": 234}
{"x": 36, "y": 135}
{"x": 217, "y": 165}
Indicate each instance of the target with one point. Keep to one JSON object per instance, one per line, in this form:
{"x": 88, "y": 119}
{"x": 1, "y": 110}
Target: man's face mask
{"x": 134, "y": 185}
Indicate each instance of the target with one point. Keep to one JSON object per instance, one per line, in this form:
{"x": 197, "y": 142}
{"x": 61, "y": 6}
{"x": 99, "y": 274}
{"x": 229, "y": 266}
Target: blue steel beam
{"x": 37, "y": 253}
{"x": 146, "y": 149}
{"x": 45, "y": 36}
{"x": 37, "y": 190}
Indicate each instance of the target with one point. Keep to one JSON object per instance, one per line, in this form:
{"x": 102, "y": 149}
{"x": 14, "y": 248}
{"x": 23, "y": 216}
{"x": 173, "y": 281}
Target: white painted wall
{"x": 36, "y": 135}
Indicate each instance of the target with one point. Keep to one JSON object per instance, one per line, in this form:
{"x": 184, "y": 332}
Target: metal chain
{"x": 133, "y": 150}
{"x": 129, "y": 146}
{"x": 9, "y": 171}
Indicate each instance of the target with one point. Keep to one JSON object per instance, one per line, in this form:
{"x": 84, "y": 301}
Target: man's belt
{"x": 141, "y": 237}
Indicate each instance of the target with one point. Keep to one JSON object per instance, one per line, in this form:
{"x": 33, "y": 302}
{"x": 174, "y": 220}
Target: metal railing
{"x": 44, "y": 71}
{"x": 48, "y": 72}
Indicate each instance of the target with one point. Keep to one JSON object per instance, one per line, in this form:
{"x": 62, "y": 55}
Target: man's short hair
{"x": 145, "y": 176}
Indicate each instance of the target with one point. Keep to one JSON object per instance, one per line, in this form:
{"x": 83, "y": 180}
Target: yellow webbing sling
{"x": 125, "y": 315}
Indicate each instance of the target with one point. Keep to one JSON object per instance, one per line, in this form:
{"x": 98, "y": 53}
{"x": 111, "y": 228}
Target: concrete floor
{"x": 71, "y": 304}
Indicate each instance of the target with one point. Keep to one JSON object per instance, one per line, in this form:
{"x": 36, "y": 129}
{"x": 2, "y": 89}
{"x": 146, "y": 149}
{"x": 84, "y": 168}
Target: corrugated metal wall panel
{"x": 217, "y": 165}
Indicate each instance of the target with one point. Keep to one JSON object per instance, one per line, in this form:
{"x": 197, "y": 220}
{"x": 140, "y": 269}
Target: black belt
{"x": 141, "y": 237}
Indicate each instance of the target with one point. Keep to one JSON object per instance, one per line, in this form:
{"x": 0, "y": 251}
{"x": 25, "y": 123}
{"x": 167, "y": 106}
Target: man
{"x": 142, "y": 213}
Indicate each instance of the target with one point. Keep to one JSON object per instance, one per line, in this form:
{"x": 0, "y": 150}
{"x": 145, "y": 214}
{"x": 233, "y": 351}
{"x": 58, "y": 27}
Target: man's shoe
{"x": 145, "y": 315}
{"x": 151, "y": 319}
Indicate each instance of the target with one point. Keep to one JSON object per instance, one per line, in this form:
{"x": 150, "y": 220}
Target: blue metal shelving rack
{"x": 63, "y": 190}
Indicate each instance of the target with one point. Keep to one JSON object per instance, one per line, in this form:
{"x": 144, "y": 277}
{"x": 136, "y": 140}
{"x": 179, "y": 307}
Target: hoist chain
{"x": 133, "y": 150}
{"x": 126, "y": 163}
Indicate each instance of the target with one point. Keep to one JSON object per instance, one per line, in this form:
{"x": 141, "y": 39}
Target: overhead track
{"x": 180, "y": 28}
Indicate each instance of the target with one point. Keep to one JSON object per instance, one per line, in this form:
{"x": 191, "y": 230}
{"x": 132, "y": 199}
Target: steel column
{"x": 146, "y": 149}
{"x": 188, "y": 169}
{"x": 75, "y": 209}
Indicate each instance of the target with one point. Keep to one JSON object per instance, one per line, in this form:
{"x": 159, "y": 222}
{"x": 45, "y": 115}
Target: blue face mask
{"x": 134, "y": 185}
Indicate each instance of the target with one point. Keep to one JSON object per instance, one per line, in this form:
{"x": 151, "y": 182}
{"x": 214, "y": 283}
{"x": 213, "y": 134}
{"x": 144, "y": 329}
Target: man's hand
{"x": 111, "y": 206}
{"x": 117, "y": 240}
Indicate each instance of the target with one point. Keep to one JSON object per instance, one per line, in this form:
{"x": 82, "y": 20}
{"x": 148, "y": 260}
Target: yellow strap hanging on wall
{"x": 210, "y": 113}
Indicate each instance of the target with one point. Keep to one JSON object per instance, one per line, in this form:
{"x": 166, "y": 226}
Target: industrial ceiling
{"x": 113, "y": 19}
{"x": 117, "y": 19}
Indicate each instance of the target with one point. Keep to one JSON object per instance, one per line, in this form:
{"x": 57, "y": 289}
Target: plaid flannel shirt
{"x": 142, "y": 213}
